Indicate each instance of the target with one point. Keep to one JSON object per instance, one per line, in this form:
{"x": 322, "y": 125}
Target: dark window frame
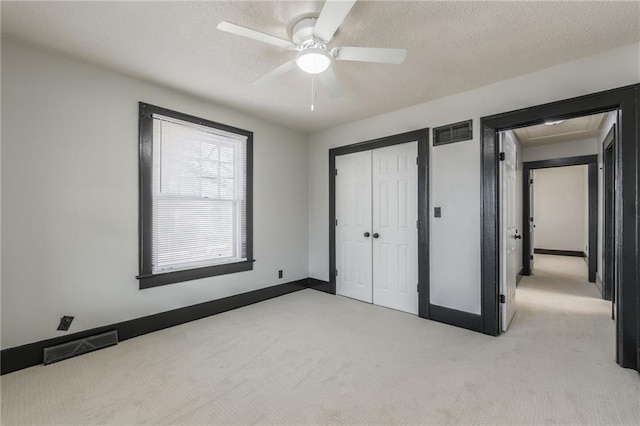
{"x": 145, "y": 128}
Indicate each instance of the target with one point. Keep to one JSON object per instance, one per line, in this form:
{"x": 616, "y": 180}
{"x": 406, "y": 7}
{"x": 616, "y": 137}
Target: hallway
{"x": 557, "y": 302}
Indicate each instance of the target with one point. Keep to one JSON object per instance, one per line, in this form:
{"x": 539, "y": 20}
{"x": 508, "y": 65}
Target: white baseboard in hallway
{"x": 312, "y": 358}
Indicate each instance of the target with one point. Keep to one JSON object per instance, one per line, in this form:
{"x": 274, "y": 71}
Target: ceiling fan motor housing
{"x": 303, "y": 33}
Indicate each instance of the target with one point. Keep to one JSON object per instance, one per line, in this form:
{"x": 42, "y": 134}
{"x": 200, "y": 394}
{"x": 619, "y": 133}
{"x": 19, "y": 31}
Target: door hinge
{"x": 336, "y": 172}
{"x": 502, "y": 299}
{"x": 336, "y": 222}
{"x": 418, "y": 287}
{"x": 502, "y": 156}
{"x": 417, "y": 161}
{"x": 336, "y": 273}
{"x": 417, "y": 224}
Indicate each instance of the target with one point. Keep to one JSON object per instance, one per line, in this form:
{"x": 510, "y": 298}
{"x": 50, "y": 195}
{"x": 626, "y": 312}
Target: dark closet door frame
{"x": 625, "y": 100}
{"x": 591, "y": 161}
{"x": 422, "y": 137}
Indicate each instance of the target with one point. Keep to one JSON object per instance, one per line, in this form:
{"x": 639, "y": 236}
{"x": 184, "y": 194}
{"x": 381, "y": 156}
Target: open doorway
{"x": 548, "y": 177}
{"x": 560, "y": 207}
{"x": 626, "y": 237}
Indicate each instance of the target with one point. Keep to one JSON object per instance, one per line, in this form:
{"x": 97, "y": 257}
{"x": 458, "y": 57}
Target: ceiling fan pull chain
{"x": 313, "y": 92}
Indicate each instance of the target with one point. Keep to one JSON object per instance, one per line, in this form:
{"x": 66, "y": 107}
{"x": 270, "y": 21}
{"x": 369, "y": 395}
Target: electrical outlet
{"x": 65, "y": 323}
{"x": 280, "y": 273}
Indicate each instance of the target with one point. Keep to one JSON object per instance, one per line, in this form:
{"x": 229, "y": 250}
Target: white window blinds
{"x": 198, "y": 195}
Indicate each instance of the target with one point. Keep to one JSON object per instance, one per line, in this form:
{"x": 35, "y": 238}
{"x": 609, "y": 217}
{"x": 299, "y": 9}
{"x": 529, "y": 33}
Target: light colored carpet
{"x": 309, "y": 357}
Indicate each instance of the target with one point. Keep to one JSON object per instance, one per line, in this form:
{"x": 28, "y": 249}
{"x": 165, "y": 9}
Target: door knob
{"x": 366, "y": 234}
{"x": 376, "y": 235}
{"x": 518, "y": 237}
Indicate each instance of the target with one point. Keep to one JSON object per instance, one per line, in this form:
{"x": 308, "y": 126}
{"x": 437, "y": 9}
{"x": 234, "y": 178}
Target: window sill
{"x": 149, "y": 281}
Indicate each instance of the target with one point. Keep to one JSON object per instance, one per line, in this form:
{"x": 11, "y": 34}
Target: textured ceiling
{"x": 452, "y": 47}
{"x": 577, "y": 128}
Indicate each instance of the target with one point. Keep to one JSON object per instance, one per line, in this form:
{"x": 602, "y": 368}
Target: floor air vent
{"x": 81, "y": 346}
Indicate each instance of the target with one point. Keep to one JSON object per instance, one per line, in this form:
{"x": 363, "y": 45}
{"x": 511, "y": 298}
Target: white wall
{"x": 559, "y": 208}
{"x": 70, "y": 198}
{"x": 576, "y": 148}
{"x": 455, "y": 169}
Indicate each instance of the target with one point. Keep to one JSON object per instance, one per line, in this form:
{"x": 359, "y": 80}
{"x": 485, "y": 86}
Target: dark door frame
{"x": 591, "y": 161}
{"x": 422, "y": 137}
{"x": 608, "y": 226}
{"x": 627, "y": 264}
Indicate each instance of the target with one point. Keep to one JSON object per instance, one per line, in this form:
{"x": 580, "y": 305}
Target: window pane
{"x": 226, "y": 170}
{"x": 210, "y": 188}
{"x": 192, "y": 231}
{"x": 197, "y": 219}
{"x": 226, "y": 189}
{"x": 210, "y": 152}
{"x": 226, "y": 154}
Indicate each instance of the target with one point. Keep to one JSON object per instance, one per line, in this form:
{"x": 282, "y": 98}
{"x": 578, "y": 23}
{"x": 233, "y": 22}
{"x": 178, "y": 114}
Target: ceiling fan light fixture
{"x": 553, "y": 122}
{"x": 313, "y": 60}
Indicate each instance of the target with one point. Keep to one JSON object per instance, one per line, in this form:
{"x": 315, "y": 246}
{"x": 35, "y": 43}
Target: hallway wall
{"x": 575, "y": 148}
{"x": 559, "y": 208}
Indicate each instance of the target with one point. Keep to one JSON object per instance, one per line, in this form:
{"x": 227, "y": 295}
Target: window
{"x": 195, "y": 198}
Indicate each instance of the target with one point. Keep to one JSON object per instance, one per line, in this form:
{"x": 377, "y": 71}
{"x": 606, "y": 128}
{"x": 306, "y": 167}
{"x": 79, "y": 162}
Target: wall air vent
{"x": 81, "y": 346}
{"x": 457, "y": 132}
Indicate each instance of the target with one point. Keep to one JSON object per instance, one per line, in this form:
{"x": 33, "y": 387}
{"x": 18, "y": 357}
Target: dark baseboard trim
{"x": 573, "y": 253}
{"x": 324, "y": 286}
{"x": 454, "y": 317}
{"x": 31, "y": 354}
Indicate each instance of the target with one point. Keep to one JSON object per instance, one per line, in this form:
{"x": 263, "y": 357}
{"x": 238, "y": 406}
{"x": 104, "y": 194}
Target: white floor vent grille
{"x": 81, "y": 346}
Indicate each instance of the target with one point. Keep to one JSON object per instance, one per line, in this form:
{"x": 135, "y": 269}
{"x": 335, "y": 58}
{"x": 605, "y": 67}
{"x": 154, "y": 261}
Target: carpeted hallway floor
{"x": 309, "y": 358}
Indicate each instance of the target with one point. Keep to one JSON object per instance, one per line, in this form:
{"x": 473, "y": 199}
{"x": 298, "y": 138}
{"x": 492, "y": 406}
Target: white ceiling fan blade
{"x": 371, "y": 54}
{"x": 330, "y": 81}
{"x": 331, "y": 16}
{"x": 275, "y": 73}
{"x": 253, "y": 34}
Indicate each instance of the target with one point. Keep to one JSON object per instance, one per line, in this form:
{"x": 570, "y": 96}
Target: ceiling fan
{"x": 311, "y": 37}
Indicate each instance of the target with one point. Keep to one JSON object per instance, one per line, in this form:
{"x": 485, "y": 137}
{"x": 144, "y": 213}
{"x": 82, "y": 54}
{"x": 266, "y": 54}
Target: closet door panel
{"x": 395, "y": 215}
{"x": 353, "y": 215}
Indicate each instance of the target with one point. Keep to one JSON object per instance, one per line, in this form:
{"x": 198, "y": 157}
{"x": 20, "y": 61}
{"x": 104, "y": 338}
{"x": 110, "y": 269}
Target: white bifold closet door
{"x": 376, "y": 231}
{"x": 353, "y": 216}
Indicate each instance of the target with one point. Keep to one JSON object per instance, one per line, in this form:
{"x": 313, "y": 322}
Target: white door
{"x": 395, "y": 230}
{"x": 353, "y": 216}
{"x": 508, "y": 231}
